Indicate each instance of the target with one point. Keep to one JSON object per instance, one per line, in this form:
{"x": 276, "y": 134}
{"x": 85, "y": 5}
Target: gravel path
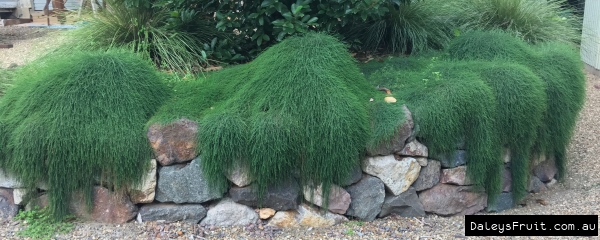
{"x": 579, "y": 194}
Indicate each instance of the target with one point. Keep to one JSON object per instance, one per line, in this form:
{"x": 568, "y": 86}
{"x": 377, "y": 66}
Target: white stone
{"x": 506, "y": 155}
{"x": 9, "y": 181}
{"x": 414, "y": 148}
{"x": 145, "y": 192}
{"x": 18, "y": 194}
{"x": 396, "y": 175}
{"x": 240, "y": 175}
{"x": 422, "y": 161}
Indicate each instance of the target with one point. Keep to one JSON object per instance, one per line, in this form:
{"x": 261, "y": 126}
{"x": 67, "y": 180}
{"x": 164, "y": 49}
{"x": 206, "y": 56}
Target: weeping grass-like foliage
{"x": 558, "y": 65}
{"x": 534, "y": 21}
{"x": 447, "y": 107}
{"x": 408, "y": 27}
{"x": 75, "y": 118}
{"x": 495, "y": 91}
{"x": 300, "y": 106}
{"x": 521, "y": 102}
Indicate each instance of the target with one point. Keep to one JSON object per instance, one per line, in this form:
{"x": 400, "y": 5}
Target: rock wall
{"x": 397, "y": 177}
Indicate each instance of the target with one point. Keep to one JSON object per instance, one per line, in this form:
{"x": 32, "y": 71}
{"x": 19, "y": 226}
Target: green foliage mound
{"x": 73, "y": 119}
{"x": 303, "y": 107}
{"x": 494, "y": 91}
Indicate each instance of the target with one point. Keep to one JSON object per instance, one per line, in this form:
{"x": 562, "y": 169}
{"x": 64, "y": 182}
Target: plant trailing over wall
{"x": 313, "y": 119}
{"x": 557, "y": 65}
{"x": 301, "y": 105}
{"x": 493, "y": 90}
{"x": 72, "y": 119}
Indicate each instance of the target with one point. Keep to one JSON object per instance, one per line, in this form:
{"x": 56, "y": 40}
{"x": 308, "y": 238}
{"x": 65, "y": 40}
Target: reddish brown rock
{"x": 339, "y": 199}
{"x": 39, "y": 202}
{"x": 109, "y": 207}
{"x": 7, "y": 194}
{"x": 457, "y": 176}
{"x": 446, "y": 199}
{"x": 175, "y": 142}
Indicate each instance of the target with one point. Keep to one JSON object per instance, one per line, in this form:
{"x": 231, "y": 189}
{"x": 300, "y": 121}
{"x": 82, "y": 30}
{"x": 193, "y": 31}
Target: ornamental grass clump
{"x": 73, "y": 119}
{"x": 302, "y": 107}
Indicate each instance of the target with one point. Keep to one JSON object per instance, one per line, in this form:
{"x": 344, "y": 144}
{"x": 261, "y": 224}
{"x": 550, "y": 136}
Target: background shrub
{"x": 73, "y": 119}
{"x": 531, "y": 20}
{"x": 407, "y": 27}
{"x": 173, "y": 40}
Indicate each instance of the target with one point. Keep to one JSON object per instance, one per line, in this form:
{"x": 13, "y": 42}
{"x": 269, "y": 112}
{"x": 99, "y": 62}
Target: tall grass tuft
{"x": 408, "y": 27}
{"x": 146, "y": 31}
{"x": 73, "y": 119}
{"x": 531, "y": 20}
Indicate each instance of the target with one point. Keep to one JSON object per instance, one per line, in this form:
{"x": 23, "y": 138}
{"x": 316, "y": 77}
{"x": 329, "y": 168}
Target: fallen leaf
{"x": 541, "y": 201}
{"x": 597, "y": 86}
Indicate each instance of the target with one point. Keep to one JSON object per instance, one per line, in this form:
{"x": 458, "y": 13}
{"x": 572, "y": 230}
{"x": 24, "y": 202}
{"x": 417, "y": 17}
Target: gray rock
{"x": 454, "y": 159}
{"x": 535, "y": 185}
{"x": 445, "y": 199}
{"x": 545, "y": 171}
{"x": 406, "y": 204}
{"x": 281, "y": 197}
{"x": 396, "y": 175}
{"x": 396, "y": 143}
{"x": 414, "y": 133}
{"x": 7, "y": 209}
{"x": 228, "y": 213}
{"x": 354, "y": 177}
{"x": 551, "y": 184}
{"x": 7, "y": 180}
{"x": 366, "y": 198}
{"x": 191, "y": 213}
{"x": 504, "y": 201}
{"x": 429, "y": 176}
{"x": 184, "y": 183}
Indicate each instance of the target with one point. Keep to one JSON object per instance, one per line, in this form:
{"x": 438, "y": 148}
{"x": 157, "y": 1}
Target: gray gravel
{"x": 578, "y": 194}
